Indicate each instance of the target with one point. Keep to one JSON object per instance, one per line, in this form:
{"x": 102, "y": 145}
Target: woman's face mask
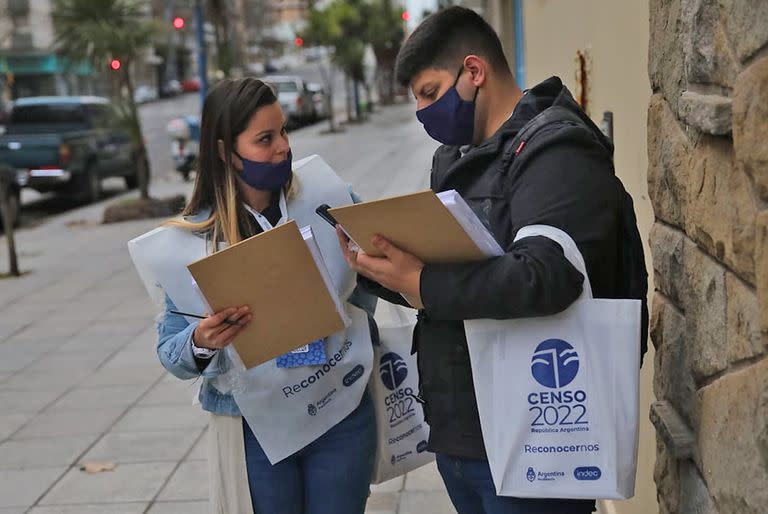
{"x": 450, "y": 120}
{"x": 267, "y": 176}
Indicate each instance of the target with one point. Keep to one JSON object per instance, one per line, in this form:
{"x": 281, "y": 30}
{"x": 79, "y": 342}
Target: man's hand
{"x": 398, "y": 271}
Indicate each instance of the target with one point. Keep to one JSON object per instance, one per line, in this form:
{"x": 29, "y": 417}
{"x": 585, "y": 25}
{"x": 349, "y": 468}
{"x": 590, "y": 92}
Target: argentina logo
{"x": 555, "y": 363}
{"x": 393, "y": 370}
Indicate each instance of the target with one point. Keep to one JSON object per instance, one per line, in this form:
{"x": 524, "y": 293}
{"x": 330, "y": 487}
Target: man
{"x": 558, "y": 172}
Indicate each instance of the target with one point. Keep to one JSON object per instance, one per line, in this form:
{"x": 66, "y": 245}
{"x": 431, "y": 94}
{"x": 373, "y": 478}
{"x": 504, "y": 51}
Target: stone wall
{"x": 708, "y": 181}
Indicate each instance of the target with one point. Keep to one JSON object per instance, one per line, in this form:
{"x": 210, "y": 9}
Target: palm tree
{"x": 98, "y": 32}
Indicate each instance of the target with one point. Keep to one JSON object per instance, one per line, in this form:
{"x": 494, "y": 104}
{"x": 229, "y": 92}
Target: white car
{"x": 144, "y": 94}
{"x": 296, "y": 100}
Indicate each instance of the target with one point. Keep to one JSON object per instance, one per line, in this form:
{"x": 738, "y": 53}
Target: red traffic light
{"x": 115, "y": 64}
{"x": 178, "y": 22}
{"x": 299, "y": 41}
{"x": 406, "y": 16}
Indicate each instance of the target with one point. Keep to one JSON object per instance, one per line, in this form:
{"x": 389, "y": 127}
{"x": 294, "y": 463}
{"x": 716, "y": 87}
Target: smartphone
{"x": 322, "y": 211}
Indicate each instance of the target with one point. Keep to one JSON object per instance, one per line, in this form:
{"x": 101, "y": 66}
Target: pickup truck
{"x": 68, "y": 144}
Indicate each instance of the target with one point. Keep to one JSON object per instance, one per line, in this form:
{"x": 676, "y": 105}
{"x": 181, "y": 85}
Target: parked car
{"x": 319, "y": 99}
{"x": 68, "y": 144}
{"x": 171, "y": 88}
{"x": 190, "y": 85}
{"x": 294, "y": 97}
{"x": 144, "y": 94}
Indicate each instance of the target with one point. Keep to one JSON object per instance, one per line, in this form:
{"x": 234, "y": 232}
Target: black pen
{"x": 227, "y": 321}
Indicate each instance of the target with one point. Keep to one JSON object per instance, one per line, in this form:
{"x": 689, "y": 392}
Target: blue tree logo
{"x": 393, "y": 370}
{"x": 555, "y": 363}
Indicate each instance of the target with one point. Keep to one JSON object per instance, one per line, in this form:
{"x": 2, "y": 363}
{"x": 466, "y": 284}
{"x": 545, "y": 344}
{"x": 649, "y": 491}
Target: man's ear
{"x": 478, "y": 69}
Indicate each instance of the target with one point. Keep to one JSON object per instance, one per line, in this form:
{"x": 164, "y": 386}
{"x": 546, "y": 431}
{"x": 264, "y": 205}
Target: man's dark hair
{"x": 443, "y": 39}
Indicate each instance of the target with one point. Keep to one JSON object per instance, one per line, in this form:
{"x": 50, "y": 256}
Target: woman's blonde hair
{"x": 227, "y": 110}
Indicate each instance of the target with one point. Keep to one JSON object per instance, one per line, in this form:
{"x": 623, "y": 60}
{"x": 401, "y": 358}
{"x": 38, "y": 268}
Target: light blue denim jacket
{"x": 174, "y": 348}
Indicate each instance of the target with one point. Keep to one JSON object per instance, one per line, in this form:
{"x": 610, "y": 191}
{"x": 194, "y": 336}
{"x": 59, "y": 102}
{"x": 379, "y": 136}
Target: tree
{"x": 341, "y": 26}
{"x": 385, "y": 33}
{"x": 219, "y": 15}
{"x": 101, "y": 33}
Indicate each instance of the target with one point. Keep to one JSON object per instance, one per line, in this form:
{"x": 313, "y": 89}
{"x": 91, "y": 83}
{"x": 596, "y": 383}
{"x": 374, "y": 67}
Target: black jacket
{"x": 562, "y": 177}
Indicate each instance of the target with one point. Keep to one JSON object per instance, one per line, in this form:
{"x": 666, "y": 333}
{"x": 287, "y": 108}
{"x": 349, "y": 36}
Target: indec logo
{"x": 555, "y": 363}
{"x": 393, "y": 370}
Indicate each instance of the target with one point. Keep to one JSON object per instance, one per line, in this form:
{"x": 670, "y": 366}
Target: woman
{"x": 245, "y": 185}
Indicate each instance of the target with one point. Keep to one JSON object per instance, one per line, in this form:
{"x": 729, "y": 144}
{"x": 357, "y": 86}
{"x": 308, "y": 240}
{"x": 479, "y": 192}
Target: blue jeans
{"x": 471, "y": 489}
{"x": 331, "y": 475}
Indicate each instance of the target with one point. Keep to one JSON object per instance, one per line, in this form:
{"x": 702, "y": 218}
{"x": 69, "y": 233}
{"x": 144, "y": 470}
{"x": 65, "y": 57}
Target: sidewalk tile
{"x": 43, "y": 453}
{"x": 178, "y": 392}
{"x": 44, "y": 381}
{"x": 426, "y": 478}
{"x": 13, "y": 402}
{"x": 57, "y": 361}
{"x": 143, "y": 446}
{"x": 16, "y": 358}
{"x": 382, "y": 502}
{"x": 200, "y": 451}
{"x": 127, "y": 483}
{"x": 10, "y": 423}
{"x": 99, "y": 397}
{"x": 112, "y": 508}
{"x": 21, "y": 488}
{"x": 390, "y": 486}
{"x": 189, "y": 482}
{"x": 420, "y": 502}
{"x": 182, "y": 507}
{"x": 63, "y": 423}
{"x": 143, "y": 419}
{"x": 123, "y": 376}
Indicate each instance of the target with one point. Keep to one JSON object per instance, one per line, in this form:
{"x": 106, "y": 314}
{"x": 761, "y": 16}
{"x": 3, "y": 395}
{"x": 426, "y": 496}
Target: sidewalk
{"x": 79, "y": 378}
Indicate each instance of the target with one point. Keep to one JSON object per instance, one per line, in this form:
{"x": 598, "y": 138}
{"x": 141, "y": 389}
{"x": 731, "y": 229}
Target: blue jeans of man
{"x": 471, "y": 489}
{"x": 331, "y": 475}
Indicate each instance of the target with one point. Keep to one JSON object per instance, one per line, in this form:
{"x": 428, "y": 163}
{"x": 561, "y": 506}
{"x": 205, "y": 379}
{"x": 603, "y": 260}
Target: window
{"x": 68, "y": 114}
{"x": 287, "y": 87}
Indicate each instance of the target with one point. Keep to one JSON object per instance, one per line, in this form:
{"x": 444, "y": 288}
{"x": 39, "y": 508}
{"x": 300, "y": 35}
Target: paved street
{"x": 154, "y": 118}
{"x": 79, "y": 379}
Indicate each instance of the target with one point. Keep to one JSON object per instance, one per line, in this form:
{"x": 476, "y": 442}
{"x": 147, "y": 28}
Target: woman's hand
{"x": 215, "y": 333}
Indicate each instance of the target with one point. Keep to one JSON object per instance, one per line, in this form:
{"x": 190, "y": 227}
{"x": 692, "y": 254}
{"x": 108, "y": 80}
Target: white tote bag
{"x": 558, "y": 395}
{"x": 402, "y": 432}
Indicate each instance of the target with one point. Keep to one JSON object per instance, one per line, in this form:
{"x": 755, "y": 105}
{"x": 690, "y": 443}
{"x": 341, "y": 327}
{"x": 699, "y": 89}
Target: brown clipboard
{"x": 418, "y": 223}
{"x": 275, "y": 274}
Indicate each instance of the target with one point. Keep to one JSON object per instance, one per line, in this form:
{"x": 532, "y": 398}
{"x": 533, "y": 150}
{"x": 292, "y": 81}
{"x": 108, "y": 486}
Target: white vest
{"x": 287, "y": 408}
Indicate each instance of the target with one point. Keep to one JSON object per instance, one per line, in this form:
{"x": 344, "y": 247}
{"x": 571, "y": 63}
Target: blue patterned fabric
{"x": 312, "y": 354}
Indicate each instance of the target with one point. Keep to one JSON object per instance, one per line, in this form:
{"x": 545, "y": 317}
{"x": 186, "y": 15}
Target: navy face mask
{"x": 266, "y": 176}
{"x": 451, "y": 119}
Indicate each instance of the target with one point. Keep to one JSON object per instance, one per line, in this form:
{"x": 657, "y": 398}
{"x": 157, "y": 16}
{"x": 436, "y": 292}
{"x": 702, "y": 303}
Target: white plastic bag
{"x": 402, "y": 432}
{"x": 558, "y": 395}
{"x": 291, "y": 407}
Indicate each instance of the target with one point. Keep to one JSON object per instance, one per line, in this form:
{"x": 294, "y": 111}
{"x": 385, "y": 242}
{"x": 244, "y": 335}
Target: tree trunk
{"x": 358, "y": 112}
{"x": 8, "y": 222}
{"x": 348, "y": 88}
{"x": 141, "y": 150}
{"x": 327, "y": 75}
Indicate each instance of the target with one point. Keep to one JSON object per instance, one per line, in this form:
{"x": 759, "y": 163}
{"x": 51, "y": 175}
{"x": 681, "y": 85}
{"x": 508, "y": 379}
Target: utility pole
{"x": 202, "y": 57}
{"x": 170, "y": 57}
